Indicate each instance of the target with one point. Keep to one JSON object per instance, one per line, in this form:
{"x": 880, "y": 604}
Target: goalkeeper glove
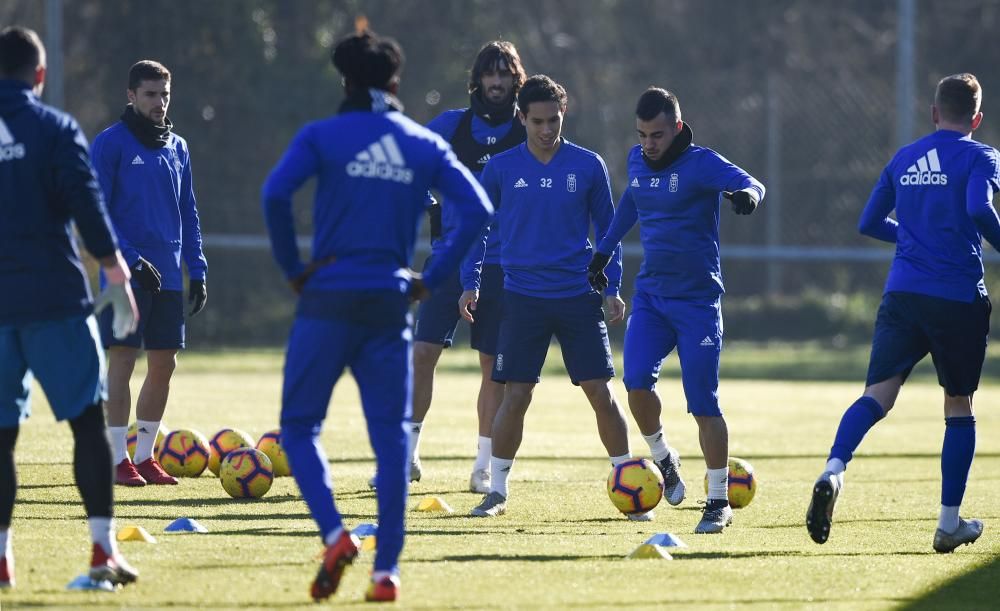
{"x": 118, "y": 294}
{"x": 595, "y": 271}
{"x": 197, "y": 296}
{"x": 744, "y": 202}
{"x": 146, "y": 276}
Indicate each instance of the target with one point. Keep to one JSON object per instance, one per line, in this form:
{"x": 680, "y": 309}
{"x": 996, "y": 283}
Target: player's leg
{"x": 382, "y": 370}
{"x": 74, "y": 385}
{"x": 897, "y": 345}
{"x": 485, "y": 333}
{"x": 163, "y": 336}
{"x": 649, "y": 338}
{"x": 317, "y": 353}
{"x": 958, "y": 335}
{"x": 15, "y": 406}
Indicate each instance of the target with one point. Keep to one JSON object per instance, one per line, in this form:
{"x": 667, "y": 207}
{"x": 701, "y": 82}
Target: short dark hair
{"x": 655, "y": 100}
{"x": 146, "y": 70}
{"x": 541, "y": 88}
{"x": 958, "y": 97}
{"x": 490, "y": 57}
{"x": 367, "y": 60}
{"x": 21, "y": 52}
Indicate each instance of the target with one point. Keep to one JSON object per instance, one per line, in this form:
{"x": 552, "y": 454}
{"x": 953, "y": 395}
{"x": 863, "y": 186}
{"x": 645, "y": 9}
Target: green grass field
{"x": 561, "y": 543}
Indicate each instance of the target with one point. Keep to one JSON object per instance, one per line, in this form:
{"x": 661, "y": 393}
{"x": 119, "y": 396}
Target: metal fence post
{"x": 773, "y": 181}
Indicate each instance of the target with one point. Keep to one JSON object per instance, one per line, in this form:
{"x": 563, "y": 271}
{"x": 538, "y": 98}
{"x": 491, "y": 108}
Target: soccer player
{"x": 935, "y": 301}
{"x": 374, "y": 167}
{"x": 47, "y": 327}
{"x": 145, "y": 172}
{"x": 487, "y": 127}
{"x": 548, "y": 192}
{"x": 675, "y": 190}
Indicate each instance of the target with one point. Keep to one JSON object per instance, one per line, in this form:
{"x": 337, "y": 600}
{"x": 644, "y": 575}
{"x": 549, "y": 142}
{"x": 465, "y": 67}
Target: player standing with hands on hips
{"x": 374, "y": 167}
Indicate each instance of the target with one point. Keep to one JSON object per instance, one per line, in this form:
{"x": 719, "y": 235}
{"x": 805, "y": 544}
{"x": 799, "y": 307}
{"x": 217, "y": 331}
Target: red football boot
{"x": 153, "y": 473}
{"x": 385, "y": 590}
{"x": 337, "y": 556}
{"x": 6, "y": 572}
{"x": 111, "y": 568}
{"x": 126, "y": 475}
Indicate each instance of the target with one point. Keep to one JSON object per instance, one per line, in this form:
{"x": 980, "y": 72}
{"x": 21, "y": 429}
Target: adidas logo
{"x": 138, "y": 161}
{"x": 484, "y": 159}
{"x": 635, "y": 182}
{"x": 383, "y": 160}
{"x": 708, "y": 341}
{"x": 926, "y": 171}
{"x": 9, "y": 149}
{"x": 520, "y": 184}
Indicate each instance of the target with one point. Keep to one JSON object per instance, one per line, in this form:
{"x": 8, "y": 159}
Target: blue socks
{"x": 956, "y": 458}
{"x": 857, "y": 420}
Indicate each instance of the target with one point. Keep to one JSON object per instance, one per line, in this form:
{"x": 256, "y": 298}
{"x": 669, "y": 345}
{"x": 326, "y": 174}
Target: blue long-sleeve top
{"x": 46, "y": 184}
{"x": 373, "y": 171}
{"x": 445, "y": 125}
{"x": 941, "y": 187}
{"x": 544, "y": 214}
{"x": 150, "y": 196}
{"x": 678, "y": 213}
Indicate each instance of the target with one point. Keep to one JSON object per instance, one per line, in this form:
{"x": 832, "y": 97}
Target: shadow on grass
{"x": 518, "y": 558}
{"x": 977, "y": 589}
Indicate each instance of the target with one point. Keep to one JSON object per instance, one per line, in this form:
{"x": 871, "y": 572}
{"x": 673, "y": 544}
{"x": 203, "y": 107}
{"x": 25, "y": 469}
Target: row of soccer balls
{"x": 245, "y": 469}
{"x": 636, "y": 485}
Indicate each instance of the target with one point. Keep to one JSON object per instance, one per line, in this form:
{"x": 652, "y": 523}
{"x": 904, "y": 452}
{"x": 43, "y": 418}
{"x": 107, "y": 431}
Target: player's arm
{"x": 984, "y": 182}
{"x": 194, "y": 256}
{"x": 875, "y": 221}
{"x": 472, "y": 264}
{"x": 299, "y": 162}
{"x": 602, "y": 213}
{"x": 105, "y": 156}
{"x": 444, "y": 125}
{"x": 743, "y": 190}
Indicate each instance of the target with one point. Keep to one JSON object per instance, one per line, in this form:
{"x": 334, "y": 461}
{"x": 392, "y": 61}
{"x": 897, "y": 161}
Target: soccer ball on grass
{"x": 184, "y": 453}
{"x": 246, "y": 473}
{"x": 224, "y": 442}
{"x": 742, "y": 483}
{"x": 635, "y": 486}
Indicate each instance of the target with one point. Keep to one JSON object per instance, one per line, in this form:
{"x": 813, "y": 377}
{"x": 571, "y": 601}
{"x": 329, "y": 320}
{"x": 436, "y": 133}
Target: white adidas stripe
{"x": 378, "y": 155}
{"x": 395, "y": 156}
{"x": 5, "y": 136}
{"x": 928, "y": 162}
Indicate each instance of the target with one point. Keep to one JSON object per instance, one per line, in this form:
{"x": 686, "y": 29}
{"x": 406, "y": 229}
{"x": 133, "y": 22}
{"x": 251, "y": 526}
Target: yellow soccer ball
{"x": 224, "y": 442}
{"x": 184, "y": 453}
{"x": 133, "y": 435}
{"x": 742, "y": 483}
{"x": 246, "y": 473}
{"x": 635, "y": 486}
{"x": 270, "y": 444}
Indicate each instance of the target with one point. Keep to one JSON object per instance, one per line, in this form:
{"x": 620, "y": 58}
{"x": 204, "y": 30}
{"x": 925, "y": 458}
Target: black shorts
{"x": 161, "y": 322}
{"x": 910, "y": 325}
{"x": 438, "y": 316}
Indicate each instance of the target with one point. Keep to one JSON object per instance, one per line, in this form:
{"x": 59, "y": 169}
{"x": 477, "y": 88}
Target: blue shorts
{"x": 694, "y": 327}
{"x": 161, "y": 322}
{"x": 437, "y": 318}
{"x": 908, "y": 326}
{"x": 66, "y": 358}
{"x": 526, "y": 331}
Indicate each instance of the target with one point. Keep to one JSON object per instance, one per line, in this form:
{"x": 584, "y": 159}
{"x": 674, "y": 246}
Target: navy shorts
{"x": 161, "y": 322}
{"x": 437, "y": 318}
{"x": 910, "y": 325}
{"x": 656, "y": 326}
{"x": 526, "y": 331}
{"x": 66, "y": 358}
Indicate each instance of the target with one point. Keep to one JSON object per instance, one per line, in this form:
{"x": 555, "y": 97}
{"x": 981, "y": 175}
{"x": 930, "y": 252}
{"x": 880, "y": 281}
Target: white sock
{"x": 5, "y": 542}
{"x": 483, "y": 454}
{"x": 948, "y": 519}
{"x": 331, "y": 538}
{"x": 718, "y": 484}
{"x": 145, "y": 439}
{"x": 657, "y": 443}
{"x": 119, "y": 443}
{"x": 836, "y": 466}
{"x": 378, "y": 576}
{"x": 415, "y": 440}
{"x": 102, "y": 532}
{"x": 499, "y": 471}
{"x": 617, "y": 460}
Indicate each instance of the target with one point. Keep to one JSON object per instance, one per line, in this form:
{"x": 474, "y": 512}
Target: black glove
{"x": 197, "y": 296}
{"x": 146, "y": 276}
{"x": 744, "y": 202}
{"x": 595, "y": 271}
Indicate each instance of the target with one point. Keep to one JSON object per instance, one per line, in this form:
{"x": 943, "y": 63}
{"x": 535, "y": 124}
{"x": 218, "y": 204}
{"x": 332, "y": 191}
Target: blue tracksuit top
{"x": 678, "y": 213}
{"x": 445, "y": 125}
{"x": 150, "y": 198}
{"x": 941, "y": 187}
{"x": 46, "y": 184}
{"x": 544, "y": 214}
{"x": 373, "y": 172}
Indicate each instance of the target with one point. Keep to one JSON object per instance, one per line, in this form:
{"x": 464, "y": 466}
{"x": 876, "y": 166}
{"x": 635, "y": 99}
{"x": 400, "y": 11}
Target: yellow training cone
{"x": 647, "y": 550}
{"x": 368, "y": 544}
{"x": 135, "y": 533}
{"x": 434, "y": 503}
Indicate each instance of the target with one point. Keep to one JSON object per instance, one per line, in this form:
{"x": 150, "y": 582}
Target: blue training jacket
{"x": 373, "y": 172}
{"x": 445, "y": 125}
{"x": 150, "y": 195}
{"x": 544, "y": 212}
{"x": 46, "y": 183}
{"x": 678, "y": 213}
{"x": 941, "y": 187}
